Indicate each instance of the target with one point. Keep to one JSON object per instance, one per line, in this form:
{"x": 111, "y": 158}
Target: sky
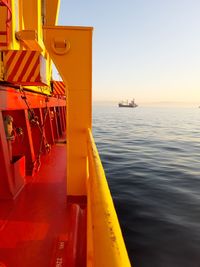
{"x": 143, "y": 49}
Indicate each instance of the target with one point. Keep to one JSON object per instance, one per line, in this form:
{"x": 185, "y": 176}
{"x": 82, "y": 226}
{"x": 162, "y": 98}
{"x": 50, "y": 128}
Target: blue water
{"x": 151, "y": 158}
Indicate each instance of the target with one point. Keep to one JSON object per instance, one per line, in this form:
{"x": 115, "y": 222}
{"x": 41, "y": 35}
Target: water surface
{"x": 152, "y": 161}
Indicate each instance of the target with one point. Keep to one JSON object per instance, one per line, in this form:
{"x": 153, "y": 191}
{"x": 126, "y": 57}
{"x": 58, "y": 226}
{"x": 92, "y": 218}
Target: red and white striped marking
{"x": 58, "y": 88}
{"x": 22, "y": 67}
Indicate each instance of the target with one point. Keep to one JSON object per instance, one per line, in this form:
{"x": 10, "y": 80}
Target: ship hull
{"x": 127, "y": 106}
{"x": 55, "y": 205}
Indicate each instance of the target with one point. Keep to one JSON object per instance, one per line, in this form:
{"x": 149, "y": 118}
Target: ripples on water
{"x": 151, "y": 157}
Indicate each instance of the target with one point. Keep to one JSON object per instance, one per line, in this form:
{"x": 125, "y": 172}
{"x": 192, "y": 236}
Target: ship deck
{"x": 34, "y": 228}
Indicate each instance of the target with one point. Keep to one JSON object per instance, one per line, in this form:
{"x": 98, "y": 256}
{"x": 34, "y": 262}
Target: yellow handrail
{"x": 105, "y": 242}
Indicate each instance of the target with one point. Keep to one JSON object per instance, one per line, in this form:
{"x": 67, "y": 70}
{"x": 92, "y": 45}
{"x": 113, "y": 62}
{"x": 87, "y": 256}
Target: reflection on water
{"x": 152, "y": 161}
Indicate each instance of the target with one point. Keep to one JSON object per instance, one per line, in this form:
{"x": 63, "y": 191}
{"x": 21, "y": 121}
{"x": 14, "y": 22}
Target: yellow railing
{"x": 105, "y": 246}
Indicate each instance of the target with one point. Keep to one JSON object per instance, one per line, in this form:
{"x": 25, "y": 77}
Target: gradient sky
{"x": 146, "y": 49}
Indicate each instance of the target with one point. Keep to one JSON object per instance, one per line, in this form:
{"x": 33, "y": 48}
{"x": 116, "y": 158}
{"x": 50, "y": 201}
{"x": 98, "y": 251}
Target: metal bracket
{"x": 60, "y": 46}
{"x": 30, "y": 39}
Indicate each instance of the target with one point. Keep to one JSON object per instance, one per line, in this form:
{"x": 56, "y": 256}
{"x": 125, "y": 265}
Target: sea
{"x": 151, "y": 157}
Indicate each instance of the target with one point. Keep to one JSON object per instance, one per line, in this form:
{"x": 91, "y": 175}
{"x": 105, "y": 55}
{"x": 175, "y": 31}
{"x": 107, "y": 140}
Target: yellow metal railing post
{"x": 70, "y": 48}
{"x": 50, "y": 12}
{"x": 31, "y": 14}
{"x": 105, "y": 244}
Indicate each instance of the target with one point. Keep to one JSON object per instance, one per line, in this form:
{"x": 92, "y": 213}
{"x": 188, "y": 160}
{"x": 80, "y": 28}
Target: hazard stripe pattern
{"x": 22, "y": 66}
{"x": 58, "y": 88}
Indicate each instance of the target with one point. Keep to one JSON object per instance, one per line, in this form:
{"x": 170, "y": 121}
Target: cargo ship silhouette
{"x": 126, "y": 104}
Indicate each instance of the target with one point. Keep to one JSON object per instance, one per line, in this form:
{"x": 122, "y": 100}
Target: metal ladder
{"x": 6, "y": 32}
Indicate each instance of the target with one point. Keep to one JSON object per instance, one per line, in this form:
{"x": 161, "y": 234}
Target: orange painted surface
{"x": 70, "y": 48}
{"x": 31, "y": 225}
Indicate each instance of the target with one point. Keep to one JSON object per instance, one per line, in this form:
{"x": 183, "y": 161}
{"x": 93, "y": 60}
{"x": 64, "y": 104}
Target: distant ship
{"x": 126, "y": 104}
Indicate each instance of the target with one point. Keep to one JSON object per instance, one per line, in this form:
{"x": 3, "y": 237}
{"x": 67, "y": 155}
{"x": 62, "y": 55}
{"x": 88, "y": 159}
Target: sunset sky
{"x": 146, "y": 49}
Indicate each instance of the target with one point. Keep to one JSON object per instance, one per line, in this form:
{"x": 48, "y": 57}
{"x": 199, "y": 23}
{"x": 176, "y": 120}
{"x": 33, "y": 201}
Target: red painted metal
{"x": 69, "y": 248}
{"x": 59, "y": 251}
{"x": 73, "y": 252}
{"x": 37, "y": 132}
{"x": 6, "y": 185}
{"x": 38, "y": 228}
{"x": 11, "y": 98}
{"x": 54, "y": 122}
{"x": 23, "y": 145}
{"x": 35, "y": 139}
{"x": 18, "y": 169}
{"x": 12, "y": 168}
{"x": 48, "y": 126}
{"x": 82, "y": 240}
{"x": 74, "y": 217}
{"x": 30, "y": 224}
{"x": 61, "y": 119}
{"x": 58, "y": 118}
{"x": 34, "y": 220}
{"x": 64, "y": 117}
{"x": 3, "y": 33}
{"x": 80, "y": 200}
